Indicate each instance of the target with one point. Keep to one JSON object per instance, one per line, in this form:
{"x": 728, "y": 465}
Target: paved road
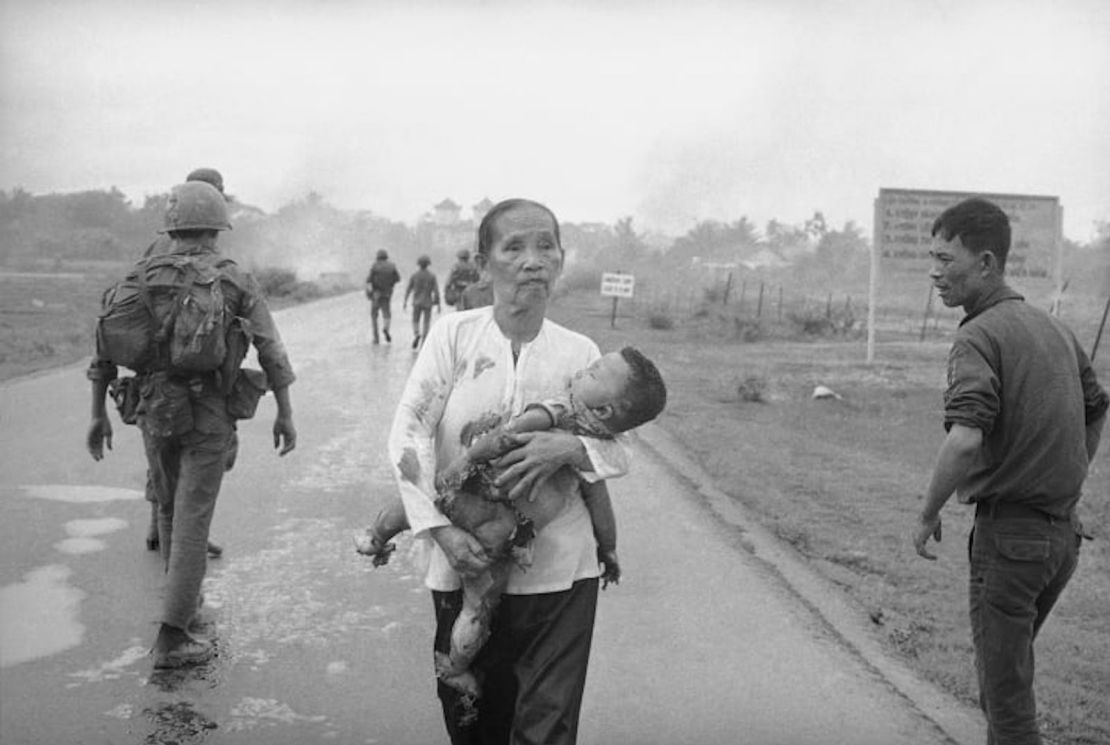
{"x": 716, "y": 635}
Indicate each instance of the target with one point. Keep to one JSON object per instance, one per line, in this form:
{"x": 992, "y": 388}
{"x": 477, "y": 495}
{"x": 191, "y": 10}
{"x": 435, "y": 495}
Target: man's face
{"x": 603, "y": 383}
{"x": 525, "y": 258}
{"x": 957, "y": 273}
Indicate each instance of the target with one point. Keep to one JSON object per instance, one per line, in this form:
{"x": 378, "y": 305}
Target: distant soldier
{"x": 188, "y": 391}
{"x": 424, "y": 290}
{"x": 379, "y": 289}
{"x": 462, "y": 275}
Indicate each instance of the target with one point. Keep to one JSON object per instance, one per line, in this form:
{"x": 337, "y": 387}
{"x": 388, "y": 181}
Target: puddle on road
{"x": 38, "y": 617}
{"x": 113, "y": 669}
{"x": 80, "y": 494}
{"x": 81, "y": 532}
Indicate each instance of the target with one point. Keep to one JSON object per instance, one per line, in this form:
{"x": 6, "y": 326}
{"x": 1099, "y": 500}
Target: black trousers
{"x": 532, "y": 669}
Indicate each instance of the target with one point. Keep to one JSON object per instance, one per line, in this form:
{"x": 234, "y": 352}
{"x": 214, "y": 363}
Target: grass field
{"x": 840, "y": 480}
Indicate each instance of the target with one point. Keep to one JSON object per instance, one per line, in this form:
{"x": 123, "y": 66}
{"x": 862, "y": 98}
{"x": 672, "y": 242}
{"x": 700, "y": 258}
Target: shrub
{"x": 752, "y": 389}
{"x": 276, "y": 282}
{"x": 748, "y": 329}
{"x": 661, "y": 321}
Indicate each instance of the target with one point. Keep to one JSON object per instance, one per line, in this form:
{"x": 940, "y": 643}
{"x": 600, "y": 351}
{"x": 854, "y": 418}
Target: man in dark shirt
{"x": 424, "y": 290}
{"x": 1024, "y": 414}
{"x": 379, "y": 289}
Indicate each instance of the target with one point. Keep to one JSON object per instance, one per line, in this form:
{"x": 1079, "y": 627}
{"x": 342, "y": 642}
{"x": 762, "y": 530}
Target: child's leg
{"x": 481, "y": 597}
{"x": 375, "y": 541}
{"x": 390, "y": 521}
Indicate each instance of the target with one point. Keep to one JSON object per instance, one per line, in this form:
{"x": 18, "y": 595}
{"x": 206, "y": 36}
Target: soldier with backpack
{"x": 183, "y": 322}
{"x": 163, "y": 245}
{"x": 462, "y": 275}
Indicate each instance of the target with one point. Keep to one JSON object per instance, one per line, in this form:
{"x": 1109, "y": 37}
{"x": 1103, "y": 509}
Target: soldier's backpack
{"x": 170, "y": 302}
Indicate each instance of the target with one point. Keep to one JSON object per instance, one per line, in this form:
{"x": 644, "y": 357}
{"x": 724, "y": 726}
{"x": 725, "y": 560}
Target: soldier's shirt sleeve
{"x": 265, "y": 337}
{"x": 100, "y": 367}
{"x": 973, "y": 396}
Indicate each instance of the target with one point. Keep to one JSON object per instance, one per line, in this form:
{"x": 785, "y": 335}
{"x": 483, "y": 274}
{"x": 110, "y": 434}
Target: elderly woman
{"x": 487, "y": 362}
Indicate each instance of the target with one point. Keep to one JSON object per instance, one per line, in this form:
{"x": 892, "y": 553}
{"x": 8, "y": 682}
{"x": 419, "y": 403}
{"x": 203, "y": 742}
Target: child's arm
{"x": 494, "y": 444}
{"x": 604, "y": 521}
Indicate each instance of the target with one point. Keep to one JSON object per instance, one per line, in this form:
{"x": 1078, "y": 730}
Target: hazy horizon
{"x": 669, "y": 114}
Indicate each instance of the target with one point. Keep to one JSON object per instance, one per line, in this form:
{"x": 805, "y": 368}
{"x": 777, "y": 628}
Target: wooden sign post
{"x": 617, "y": 285}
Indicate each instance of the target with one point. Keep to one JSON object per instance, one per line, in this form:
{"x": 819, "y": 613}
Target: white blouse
{"x": 464, "y": 371}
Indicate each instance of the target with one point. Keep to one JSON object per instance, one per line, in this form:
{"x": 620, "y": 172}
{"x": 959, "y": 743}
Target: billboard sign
{"x": 904, "y": 219}
{"x": 617, "y": 285}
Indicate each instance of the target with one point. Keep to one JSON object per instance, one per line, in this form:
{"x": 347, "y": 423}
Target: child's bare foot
{"x": 368, "y": 544}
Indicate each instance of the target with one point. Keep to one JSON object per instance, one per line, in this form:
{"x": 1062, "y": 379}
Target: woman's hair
{"x": 488, "y": 228}
{"x": 980, "y": 225}
{"x": 644, "y": 395}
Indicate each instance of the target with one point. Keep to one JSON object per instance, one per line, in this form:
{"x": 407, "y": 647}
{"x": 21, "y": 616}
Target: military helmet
{"x": 207, "y": 175}
{"x": 464, "y": 254}
{"x": 196, "y": 205}
{"x": 382, "y": 255}
{"x": 423, "y": 261}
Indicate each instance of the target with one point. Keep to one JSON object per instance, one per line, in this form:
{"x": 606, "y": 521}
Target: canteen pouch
{"x": 246, "y": 391}
{"x": 165, "y": 406}
{"x": 125, "y": 392}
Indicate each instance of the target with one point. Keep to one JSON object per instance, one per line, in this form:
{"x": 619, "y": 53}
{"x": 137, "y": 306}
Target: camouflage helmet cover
{"x": 196, "y": 205}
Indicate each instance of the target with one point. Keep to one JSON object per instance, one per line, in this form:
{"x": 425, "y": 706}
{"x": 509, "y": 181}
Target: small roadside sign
{"x": 617, "y": 285}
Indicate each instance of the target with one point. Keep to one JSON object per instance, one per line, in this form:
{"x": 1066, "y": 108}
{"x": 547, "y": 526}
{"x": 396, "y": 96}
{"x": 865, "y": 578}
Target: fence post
{"x": 1101, "y": 326}
{"x": 759, "y": 308}
{"x": 728, "y": 287}
{"x": 928, "y": 310}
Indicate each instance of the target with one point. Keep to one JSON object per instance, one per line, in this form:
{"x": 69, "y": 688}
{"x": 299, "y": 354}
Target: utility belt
{"x": 995, "y": 509}
{"x": 163, "y": 400}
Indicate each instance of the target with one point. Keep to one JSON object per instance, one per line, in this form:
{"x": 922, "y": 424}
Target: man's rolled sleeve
{"x": 972, "y": 398}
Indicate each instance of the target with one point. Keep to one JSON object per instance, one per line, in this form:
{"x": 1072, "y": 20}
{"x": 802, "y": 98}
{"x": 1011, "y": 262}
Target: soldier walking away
{"x": 424, "y": 290}
{"x": 1024, "y": 415}
{"x": 462, "y": 275}
{"x": 162, "y": 245}
{"x": 183, "y": 322}
{"x": 379, "y": 289}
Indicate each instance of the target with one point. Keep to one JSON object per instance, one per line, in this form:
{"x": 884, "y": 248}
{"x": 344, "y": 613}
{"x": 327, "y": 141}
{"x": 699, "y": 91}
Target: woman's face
{"x": 525, "y": 258}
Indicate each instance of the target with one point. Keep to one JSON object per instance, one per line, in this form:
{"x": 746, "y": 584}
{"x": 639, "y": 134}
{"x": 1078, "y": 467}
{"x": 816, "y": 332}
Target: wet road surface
{"x": 701, "y": 642}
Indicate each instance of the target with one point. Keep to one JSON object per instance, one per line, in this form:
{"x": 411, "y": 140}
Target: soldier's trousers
{"x": 185, "y": 472}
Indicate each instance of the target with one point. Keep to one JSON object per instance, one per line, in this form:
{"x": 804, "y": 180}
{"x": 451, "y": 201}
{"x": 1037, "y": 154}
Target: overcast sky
{"x": 669, "y": 112}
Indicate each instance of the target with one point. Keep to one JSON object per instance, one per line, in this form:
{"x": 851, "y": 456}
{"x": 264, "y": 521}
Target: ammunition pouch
{"x": 125, "y": 393}
{"x": 246, "y": 391}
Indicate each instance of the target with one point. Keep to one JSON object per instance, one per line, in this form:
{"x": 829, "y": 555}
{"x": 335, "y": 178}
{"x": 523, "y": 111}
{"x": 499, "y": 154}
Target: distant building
{"x": 443, "y": 231}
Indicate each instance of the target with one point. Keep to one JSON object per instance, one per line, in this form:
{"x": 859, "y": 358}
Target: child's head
{"x": 624, "y": 389}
